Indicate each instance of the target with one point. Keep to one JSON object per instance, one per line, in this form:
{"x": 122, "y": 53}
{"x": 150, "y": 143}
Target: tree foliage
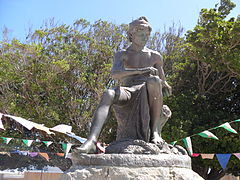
{"x": 57, "y": 77}
{"x": 206, "y": 88}
{"x": 214, "y": 44}
{"x": 59, "y": 74}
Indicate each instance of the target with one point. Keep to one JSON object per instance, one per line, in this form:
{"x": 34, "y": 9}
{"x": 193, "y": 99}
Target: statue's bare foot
{"x": 156, "y": 139}
{"x": 88, "y": 147}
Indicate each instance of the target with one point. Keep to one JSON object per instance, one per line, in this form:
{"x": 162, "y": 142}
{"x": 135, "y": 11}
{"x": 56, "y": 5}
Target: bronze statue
{"x": 138, "y": 102}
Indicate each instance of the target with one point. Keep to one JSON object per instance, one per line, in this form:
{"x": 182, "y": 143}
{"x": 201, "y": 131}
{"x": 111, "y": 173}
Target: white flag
{"x": 27, "y": 124}
{"x": 1, "y": 124}
{"x": 62, "y": 128}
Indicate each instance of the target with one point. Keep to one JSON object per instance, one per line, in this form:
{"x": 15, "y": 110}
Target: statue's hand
{"x": 167, "y": 90}
{"x": 88, "y": 147}
{"x": 151, "y": 71}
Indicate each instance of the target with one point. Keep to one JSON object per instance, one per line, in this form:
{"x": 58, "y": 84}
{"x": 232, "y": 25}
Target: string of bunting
{"x": 222, "y": 158}
{"x": 62, "y": 128}
{"x": 45, "y": 155}
{"x": 67, "y": 130}
{"x": 65, "y": 146}
{"x": 206, "y": 134}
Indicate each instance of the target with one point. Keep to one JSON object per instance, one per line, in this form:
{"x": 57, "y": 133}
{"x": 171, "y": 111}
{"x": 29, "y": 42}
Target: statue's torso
{"x": 133, "y": 59}
{"x": 140, "y": 59}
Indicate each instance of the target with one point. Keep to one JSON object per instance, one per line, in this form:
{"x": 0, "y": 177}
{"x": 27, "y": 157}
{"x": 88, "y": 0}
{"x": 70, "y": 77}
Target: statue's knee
{"x": 109, "y": 94}
{"x": 154, "y": 80}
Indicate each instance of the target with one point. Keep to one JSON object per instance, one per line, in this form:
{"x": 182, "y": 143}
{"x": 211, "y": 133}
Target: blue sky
{"x": 19, "y": 15}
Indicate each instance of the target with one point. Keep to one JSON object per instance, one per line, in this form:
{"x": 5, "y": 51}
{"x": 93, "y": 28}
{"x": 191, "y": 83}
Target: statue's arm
{"x": 167, "y": 89}
{"x": 119, "y": 71}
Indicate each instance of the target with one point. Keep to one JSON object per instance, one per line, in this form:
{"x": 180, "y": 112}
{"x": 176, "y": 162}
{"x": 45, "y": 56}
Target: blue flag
{"x": 81, "y": 139}
{"x": 223, "y": 159}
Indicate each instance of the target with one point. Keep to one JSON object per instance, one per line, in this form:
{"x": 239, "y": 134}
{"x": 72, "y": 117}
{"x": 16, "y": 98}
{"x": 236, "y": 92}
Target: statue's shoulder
{"x": 120, "y": 54}
{"x": 156, "y": 55}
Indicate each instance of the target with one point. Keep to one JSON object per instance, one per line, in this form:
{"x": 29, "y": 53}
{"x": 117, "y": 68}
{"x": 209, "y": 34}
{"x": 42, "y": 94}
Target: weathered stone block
{"x": 130, "y": 167}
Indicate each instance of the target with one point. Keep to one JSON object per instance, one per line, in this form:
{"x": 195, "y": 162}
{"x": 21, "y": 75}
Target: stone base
{"x": 130, "y": 167}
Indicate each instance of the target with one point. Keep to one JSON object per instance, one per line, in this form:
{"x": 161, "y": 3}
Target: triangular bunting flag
{"x": 60, "y": 154}
{"x": 66, "y": 147}
{"x": 62, "y": 128}
{"x": 27, "y": 142}
{"x": 1, "y": 124}
{"x": 207, "y": 134}
{"x": 44, "y": 155}
{"x": 173, "y": 143}
{"x": 228, "y": 127}
{"x": 188, "y": 144}
{"x": 223, "y": 159}
{"x": 6, "y": 140}
{"x": 32, "y": 154}
{"x": 27, "y": 124}
{"x": 69, "y": 155}
{"x": 5, "y": 153}
{"x": 82, "y": 140}
{"x": 237, "y": 155}
{"x": 195, "y": 154}
{"x": 22, "y": 153}
{"x": 207, "y": 156}
{"x": 47, "y": 143}
{"x": 42, "y": 128}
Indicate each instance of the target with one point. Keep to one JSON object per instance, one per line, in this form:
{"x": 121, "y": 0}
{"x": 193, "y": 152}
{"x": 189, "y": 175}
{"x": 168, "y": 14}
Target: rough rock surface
{"x": 129, "y": 146}
{"x": 124, "y": 173}
{"x": 131, "y": 160}
{"x": 130, "y": 166}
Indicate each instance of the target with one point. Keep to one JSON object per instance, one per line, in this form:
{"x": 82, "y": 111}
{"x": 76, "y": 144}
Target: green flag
{"x": 6, "y": 140}
{"x": 228, "y": 127}
{"x": 27, "y": 142}
{"x": 173, "y": 143}
{"x": 66, "y": 147}
{"x": 47, "y": 143}
{"x": 188, "y": 144}
{"x": 207, "y": 134}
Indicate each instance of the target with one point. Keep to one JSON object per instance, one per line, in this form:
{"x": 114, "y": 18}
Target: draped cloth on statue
{"x": 132, "y": 111}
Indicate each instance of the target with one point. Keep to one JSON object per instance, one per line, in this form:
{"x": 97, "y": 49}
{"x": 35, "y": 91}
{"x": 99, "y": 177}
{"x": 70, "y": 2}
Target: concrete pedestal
{"x": 130, "y": 167}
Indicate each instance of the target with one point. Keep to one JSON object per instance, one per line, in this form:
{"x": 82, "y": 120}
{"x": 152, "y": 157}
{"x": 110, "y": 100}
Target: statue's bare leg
{"x": 155, "y": 99}
{"x": 98, "y": 121}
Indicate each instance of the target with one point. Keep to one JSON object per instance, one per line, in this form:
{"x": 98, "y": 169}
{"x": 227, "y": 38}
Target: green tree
{"x": 58, "y": 76}
{"x": 206, "y": 88}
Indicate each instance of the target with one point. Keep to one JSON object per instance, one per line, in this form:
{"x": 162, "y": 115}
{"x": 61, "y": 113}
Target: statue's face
{"x": 140, "y": 35}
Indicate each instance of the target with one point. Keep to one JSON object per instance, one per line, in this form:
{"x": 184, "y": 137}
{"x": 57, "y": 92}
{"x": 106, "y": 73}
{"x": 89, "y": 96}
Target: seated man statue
{"x": 138, "y": 102}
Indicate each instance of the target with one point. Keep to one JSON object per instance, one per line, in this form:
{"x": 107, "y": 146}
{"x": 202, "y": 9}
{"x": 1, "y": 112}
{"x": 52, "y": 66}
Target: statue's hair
{"x": 141, "y": 21}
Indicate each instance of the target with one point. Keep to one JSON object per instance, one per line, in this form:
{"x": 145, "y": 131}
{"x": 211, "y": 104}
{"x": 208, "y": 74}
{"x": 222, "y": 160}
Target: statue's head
{"x": 138, "y": 24}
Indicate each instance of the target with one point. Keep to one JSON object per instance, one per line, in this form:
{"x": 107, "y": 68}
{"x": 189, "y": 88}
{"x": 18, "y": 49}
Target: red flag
{"x": 195, "y": 154}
